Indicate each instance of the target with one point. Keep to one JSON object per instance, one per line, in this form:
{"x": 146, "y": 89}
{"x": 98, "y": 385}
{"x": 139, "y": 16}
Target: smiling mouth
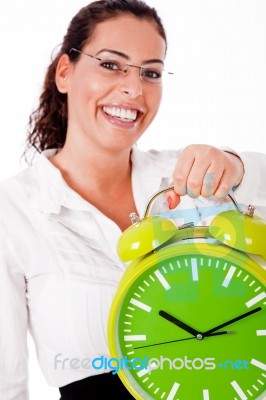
{"x": 124, "y": 114}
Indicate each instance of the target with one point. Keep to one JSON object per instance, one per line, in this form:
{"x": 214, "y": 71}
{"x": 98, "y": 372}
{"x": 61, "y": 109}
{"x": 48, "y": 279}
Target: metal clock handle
{"x": 134, "y": 218}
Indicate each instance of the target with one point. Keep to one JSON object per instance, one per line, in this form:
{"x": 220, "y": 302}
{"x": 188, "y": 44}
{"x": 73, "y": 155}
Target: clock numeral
{"x": 194, "y": 267}
{"x": 258, "y": 364}
{"x": 145, "y": 371}
{"x": 162, "y": 279}
{"x": 141, "y": 305}
{"x": 229, "y": 276}
{"x": 206, "y": 395}
{"x": 173, "y": 391}
{"x": 238, "y": 390}
{"x": 261, "y": 332}
{"x": 129, "y": 338}
{"x": 256, "y": 299}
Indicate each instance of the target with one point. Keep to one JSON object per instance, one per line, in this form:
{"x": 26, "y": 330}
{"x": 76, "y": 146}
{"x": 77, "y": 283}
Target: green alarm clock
{"x": 188, "y": 320}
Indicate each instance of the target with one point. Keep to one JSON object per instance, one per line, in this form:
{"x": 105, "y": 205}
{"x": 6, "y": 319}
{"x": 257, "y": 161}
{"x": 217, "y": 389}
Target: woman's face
{"x": 108, "y": 108}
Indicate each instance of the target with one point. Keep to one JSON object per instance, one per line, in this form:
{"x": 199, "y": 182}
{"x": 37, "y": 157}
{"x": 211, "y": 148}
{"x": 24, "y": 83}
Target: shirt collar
{"x": 50, "y": 191}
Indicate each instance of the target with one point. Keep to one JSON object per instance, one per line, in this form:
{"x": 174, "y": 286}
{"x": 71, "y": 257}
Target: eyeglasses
{"x": 114, "y": 68}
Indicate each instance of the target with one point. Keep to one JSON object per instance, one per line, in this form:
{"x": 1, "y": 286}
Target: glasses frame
{"x": 124, "y": 70}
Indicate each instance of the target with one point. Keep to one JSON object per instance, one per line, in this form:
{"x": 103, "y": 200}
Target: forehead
{"x": 136, "y": 37}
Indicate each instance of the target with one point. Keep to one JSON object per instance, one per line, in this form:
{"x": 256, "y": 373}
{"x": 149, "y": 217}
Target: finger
{"x": 182, "y": 171}
{"x": 211, "y": 181}
{"x": 173, "y": 199}
{"x": 225, "y": 185}
{"x": 218, "y": 180}
{"x": 198, "y": 180}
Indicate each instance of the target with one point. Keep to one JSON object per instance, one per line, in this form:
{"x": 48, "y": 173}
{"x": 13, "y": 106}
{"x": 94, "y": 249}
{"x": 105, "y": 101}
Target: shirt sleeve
{"x": 13, "y": 325}
{"x": 252, "y": 189}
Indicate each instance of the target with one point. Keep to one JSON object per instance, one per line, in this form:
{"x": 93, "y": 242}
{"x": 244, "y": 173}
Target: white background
{"x": 217, "y": 49}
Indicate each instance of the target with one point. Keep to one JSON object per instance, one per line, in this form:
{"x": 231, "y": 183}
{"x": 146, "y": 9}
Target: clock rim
{"x": 138, "y": 267}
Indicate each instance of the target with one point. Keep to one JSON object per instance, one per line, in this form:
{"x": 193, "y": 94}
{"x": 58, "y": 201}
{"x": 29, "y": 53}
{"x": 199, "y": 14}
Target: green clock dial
{"x": 190, "y": 324}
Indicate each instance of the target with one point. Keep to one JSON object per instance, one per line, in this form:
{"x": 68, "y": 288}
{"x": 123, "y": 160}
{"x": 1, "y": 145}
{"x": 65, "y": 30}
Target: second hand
{"x": 181, "y": 340}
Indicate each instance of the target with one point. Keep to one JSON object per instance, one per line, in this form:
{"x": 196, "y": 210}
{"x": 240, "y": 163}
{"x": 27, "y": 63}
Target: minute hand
{"x": 232, "y": 320}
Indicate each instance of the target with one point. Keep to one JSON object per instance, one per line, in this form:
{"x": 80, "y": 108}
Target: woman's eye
{"x": 151, "y": 73}
{"x": 110, "y": 65}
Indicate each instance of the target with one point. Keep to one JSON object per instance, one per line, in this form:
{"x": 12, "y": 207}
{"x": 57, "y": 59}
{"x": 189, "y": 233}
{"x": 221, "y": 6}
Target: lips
{"x": 122, "y": 113}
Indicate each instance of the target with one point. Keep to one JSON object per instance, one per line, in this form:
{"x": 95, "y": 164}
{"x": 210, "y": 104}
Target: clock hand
{"x": 255, "y": 310}
{"x": 179, "y": 323}
{"x": 181, "y": 340}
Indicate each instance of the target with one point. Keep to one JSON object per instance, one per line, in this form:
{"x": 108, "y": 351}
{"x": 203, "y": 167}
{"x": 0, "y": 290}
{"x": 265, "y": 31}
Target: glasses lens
{"x": 111, "y": 68}
{"x": 114, "y": 68}
{"x": 151, "y": 75}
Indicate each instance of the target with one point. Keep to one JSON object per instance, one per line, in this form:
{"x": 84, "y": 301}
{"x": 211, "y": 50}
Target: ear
{"x": 62, "y": 71}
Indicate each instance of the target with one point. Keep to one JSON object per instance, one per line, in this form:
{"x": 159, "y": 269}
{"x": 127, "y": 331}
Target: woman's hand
{"x": 204, "y": 170}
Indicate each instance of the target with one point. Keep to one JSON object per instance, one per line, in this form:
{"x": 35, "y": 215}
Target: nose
{"x": 131, "y": 83}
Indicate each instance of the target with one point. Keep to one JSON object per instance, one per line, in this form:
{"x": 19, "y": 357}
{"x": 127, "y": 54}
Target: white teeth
{"x": 123, "y": 113}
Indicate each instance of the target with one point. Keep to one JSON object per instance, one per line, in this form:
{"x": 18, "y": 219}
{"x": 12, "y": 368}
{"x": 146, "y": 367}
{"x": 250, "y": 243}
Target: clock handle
{"x": 240, "y": 230}
{"x": 249, "y": 212}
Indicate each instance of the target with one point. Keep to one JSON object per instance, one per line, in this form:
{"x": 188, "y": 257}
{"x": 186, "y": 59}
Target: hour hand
{"x": 179, "y": 323}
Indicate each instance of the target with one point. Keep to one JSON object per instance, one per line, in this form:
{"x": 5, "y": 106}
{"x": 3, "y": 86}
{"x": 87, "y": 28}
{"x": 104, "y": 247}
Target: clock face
{"x": 191, "y": 324}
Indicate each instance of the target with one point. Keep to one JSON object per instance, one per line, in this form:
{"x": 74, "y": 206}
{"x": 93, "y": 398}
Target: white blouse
{"x": 59, "y": 269}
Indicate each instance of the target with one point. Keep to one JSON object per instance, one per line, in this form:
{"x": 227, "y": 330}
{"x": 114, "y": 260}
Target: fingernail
{"x": 169, "y": 201}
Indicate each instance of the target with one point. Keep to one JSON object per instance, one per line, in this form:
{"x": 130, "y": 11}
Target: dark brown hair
{"x": 47, "y": 125}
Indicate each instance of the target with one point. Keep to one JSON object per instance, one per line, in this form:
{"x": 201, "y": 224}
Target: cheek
{"x": 84, "y": 97}
{"x": 89, "y": 89}
{"x": 86, "y": 85}
{"x": 95, "y": 85}
{"x": 154, "y": 100}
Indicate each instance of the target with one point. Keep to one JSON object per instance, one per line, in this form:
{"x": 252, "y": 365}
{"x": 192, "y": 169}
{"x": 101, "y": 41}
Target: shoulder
{"x": 15, "y": 192}
{"x": 19, "y": 182}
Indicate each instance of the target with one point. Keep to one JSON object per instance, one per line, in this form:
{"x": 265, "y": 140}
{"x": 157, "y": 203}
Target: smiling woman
{"x": 215, "y": 49}
{"x": 62, "y": 216}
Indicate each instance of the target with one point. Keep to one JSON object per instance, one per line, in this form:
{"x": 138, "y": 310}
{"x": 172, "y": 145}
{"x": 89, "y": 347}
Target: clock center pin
{"x": 200, "y": 336}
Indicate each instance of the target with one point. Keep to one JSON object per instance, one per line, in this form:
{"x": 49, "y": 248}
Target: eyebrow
{"x": 126, "y": 57}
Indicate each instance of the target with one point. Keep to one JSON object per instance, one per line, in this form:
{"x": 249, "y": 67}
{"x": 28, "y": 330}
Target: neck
{"x": 101, "y": 178}
{"x": 93, "y": 169}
